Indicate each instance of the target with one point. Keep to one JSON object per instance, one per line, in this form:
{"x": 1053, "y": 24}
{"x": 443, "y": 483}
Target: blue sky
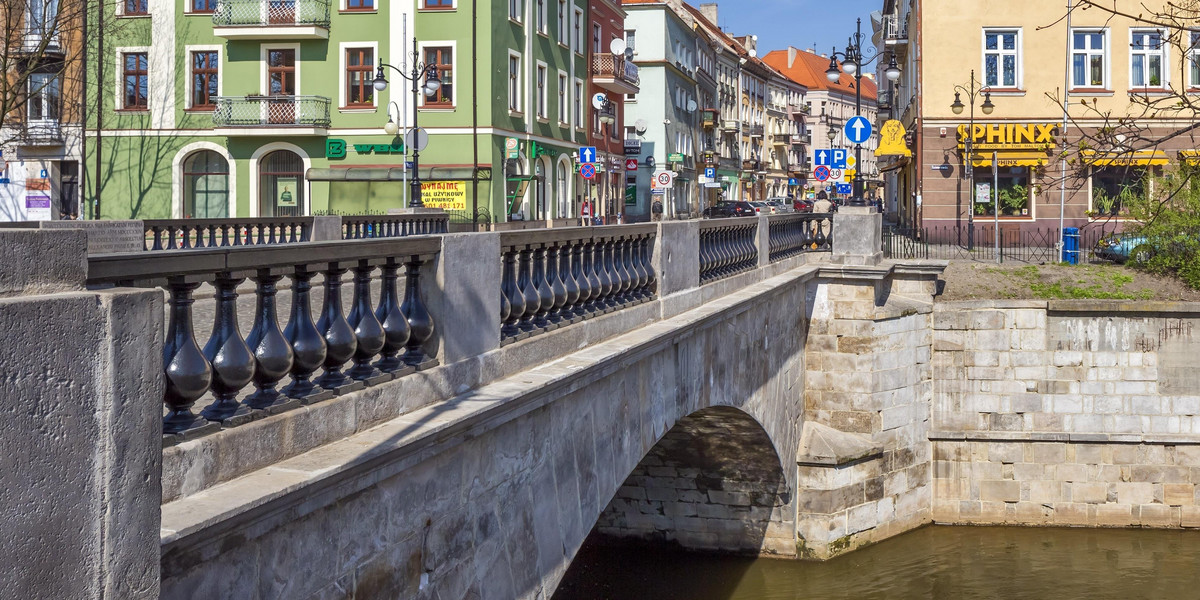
{"x": 799, "y": 23}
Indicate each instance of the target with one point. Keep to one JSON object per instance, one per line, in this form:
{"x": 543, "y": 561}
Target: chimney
{"x": 792, "y": 53}
{"x": 709, "y": 11}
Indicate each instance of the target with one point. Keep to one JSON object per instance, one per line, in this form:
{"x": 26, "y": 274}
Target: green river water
{"x": 933, "y": 562}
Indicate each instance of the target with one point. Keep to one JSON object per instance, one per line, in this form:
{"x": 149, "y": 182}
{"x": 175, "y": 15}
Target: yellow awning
{"x": 1125, "y": 159}
{"x": 1191, "y": 157}
{"x": 1011, "y": 159}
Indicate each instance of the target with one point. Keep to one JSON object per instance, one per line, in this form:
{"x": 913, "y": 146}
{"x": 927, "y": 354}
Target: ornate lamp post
{"x": 854, "y": 59}
{"x": 424, "y": 78}
{"x": 968, "y": 158}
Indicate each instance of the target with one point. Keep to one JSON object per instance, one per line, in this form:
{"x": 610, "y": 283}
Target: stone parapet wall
{"x": 1066, "y": 413}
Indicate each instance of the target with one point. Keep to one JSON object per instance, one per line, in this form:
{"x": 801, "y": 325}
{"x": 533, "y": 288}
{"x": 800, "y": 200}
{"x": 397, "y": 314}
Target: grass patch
{"x": 1086, "y": 282}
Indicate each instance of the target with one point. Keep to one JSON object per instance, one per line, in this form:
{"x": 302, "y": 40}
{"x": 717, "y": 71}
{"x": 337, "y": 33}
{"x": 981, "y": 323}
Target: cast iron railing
{"x": 271, "y": 111}
{"x": 727, "y": 247}
{"x": 1032, "y": 245}
{"x": 792, "y": 234}
{"x": 361, "y": 227}
{"x": 552, "y": 278}
{"x": 264, "y": 13}
{"x": 615, "y": 67}
{"x": 184, "y": 234}
{"x": 383, "y": 340}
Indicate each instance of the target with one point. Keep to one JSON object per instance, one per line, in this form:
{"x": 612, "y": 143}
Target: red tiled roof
{"x": 809, "y": 70}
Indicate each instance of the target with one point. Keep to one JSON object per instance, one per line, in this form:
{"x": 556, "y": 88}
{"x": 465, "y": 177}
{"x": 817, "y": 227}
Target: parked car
{"x": 779, "y": 205}
{"x": 761, "y": 208}
{"x": 802, "y": 205}
{"x": 729, "y": 208}
{"x": 1126, "y": 247}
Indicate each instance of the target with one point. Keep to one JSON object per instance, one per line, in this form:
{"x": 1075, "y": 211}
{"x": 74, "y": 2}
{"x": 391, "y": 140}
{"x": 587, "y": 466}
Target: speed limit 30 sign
{"x": 664, "y": 179}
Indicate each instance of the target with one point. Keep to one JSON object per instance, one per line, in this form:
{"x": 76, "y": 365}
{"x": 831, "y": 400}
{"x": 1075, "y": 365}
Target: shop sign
{"x": 891, "y": 140}
{"x": 675, "y": 157}
{"x": 633, "y": 147}
{"x": 631, "y": 194}
{"x": 983, "y": 193}
{"x": 512, "y": 148}
{"x": 446, "y": 195}
{"x": 998, "y": 136}
{"x": 336, "y": 148}
{"x": 37, "y": 207}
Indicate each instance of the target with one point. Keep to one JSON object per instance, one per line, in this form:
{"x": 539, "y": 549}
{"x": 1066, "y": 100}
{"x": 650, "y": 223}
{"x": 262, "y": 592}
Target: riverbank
{"x": 971, "y": 280}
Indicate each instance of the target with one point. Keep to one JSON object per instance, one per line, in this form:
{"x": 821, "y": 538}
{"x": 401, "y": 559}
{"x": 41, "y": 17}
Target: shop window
{"x": 1013, "y": 194}
{"x": 205, "y": 186}
{"x": 1113, "y": 188}
{"x": 281, "y": 184}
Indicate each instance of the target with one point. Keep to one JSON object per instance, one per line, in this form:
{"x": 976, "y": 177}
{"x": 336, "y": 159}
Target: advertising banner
{"x": 446, "y": 195}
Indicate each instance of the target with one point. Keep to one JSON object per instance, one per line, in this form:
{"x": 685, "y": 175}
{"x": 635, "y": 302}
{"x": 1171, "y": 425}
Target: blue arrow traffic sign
{"x": 587, "y": 154}
{"x": 821, "y": 158}
{"x": 858, "y": 129}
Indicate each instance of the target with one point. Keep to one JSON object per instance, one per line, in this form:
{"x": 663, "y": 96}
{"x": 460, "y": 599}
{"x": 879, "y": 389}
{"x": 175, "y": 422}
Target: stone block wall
{"x": 1080, "y": 413}
{"x": 868, "y": 358}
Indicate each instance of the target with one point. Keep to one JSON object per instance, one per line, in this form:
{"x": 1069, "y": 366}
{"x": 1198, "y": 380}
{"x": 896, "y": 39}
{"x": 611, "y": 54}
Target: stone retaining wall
{"x": 1070, "y": 413}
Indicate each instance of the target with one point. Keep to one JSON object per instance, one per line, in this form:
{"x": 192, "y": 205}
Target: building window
{"x": 443, "y": 59}
{"x": 578, "y": 99}
{"x": 1113, "y": 188}
{"x": 439, "y": 4}
{"x": 514, "y": 83}
{"x": 205, "y": 186}
{"x": 136, "y": 81}
{"x": 204, "y": 6}
{"x": 1193, "y": 54}
{"x": 563, "y": 32}
{"x": 562, "y": 98}
{"x": 631, "y": 39}
{"x": 1001, "y": 59}
{"x": 360, "y": 77}
{"x": 578, "y": 39}
{"x": 541, "y": 91}
{"x": 205, "y": 65}
{"x": 597, "y": 34}
{"x": 541, "y": 16}
{"x": 44, "y": 97}
{"x": 1147, "y": 55}
{"x": 42, "y": 16}
{"x": 136, "y": 7}
{"x": 1089, "y": 59}
{"x": 514, "y": 10}
{"x": 1013, "y": 195}
{"x": 368, "y": 4}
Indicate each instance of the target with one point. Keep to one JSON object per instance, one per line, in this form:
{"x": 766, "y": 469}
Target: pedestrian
{"x": 586, "y": 212}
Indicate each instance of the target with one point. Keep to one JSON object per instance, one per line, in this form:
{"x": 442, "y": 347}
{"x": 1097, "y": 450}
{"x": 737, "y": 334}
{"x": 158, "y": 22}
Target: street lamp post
{"x": 968, "y": 146}
{"x": 424, "y": 78}
{"x": 853, "y": 62}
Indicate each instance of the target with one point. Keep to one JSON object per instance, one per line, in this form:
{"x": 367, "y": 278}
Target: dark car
{"x": 727, "y": 208}
{"x": 803, "y": 205}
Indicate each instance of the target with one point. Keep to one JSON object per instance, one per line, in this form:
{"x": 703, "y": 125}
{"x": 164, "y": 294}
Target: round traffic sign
{"x": 664, "y": 178}
{"x": 821, "y": 173}
{"x": 587, "y": 171}
{"x": 835, "y": 173}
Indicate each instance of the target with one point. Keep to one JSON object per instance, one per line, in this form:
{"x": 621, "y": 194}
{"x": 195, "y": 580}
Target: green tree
{"x": 1169, "y": 220}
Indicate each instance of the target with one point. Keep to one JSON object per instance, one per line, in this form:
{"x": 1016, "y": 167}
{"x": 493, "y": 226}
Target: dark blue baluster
{"x": 510, "y": 290}
{"x": 593, "y": 255}
{"x": 545, "y": 294}
{"x": 391, "y": 318}
{"x": 367, "y": 329}
{"x": 188, "y": 373}
{"x": 529, "y": 290}
{"x": 339, "y": 337}
{"x": 579, "y": 271}
{"x": 567, "y": 274}
{"x": 232, "y": 362}
{"x": 272, "y": 352}
{"x": 308, "y": 346}
{"x": 557, "y": 287}
{"x": 420, "y": 322}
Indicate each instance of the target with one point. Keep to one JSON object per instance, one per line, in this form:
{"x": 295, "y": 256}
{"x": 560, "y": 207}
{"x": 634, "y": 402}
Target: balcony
{"x": 41, "y": 133}
{"x": 272, "y": 19}
{"x": 37, "y": 42}
{"x": 268, "y": 115}
{"x": 709, "y": 117}
{"x": 754, "y": 131}
{"x": 895, "y": 33}
{"x": 615, "y": 74}
{"x": 781, "y": 139}
{"x": 730, "y": 125}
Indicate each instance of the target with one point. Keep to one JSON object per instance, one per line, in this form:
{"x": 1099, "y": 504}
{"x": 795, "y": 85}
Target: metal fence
{"x": 276, "y": 111}
{"x": 979, "y": 243}
{"x": 271, "y": 12}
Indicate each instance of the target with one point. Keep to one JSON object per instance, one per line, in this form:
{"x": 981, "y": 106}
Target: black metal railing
{"x": 271, "y": 13}
{"x": 727, "y": 247}
{"x": 271, "y": 111}
{"x": 792, "y": 234}
{"x": 381, "y": 340}
{"x": 362, "y": 227}
{"x": 185, "y": 234}
{"x": 979, "y": 243}
{"x": 552, "y": 278}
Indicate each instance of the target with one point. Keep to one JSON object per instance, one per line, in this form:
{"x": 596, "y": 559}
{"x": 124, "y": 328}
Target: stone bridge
{"x": 726, "y": 385}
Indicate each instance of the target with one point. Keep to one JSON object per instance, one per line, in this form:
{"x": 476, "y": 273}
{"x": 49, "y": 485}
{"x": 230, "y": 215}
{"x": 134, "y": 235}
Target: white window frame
{"x": 1164, "y": 59}
{"x": 264, "y": 71}
{"x": 514, "y": 103}
{"x": 580, "y": 111}
{"x": 1089, "y": 52}
{"x": 342, "y": 47}
{"x": 564, "y": 23}
{"x": 453, "y": 45}
{"x": 578, "y": 46}
{"x": 41, "y": 91}
{"x": 515, "y": 10}
{"x": 119, "y": 73}
{"x": 1192, "y": 56}
{"x": 1000, "y": 53}
{"x": 189, "y": 86}
{"x": 541, "y": 74}
{"x": 541, "y": 17}
{"x": 564, "y": 99}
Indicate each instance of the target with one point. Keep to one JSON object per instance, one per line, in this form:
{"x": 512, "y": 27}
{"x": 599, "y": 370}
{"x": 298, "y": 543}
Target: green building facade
{"x": 220, "y": 108}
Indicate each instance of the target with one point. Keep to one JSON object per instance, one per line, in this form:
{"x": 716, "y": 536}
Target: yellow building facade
{"x": 1117, "y": 76}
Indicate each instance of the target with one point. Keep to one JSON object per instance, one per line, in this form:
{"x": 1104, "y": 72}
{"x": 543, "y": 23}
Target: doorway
{"x": 281, "y": 184}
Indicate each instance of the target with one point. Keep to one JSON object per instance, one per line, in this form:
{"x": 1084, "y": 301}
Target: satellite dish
{"x": 753, "y": 53}
{"x": 691, "y": 106}
{"x": 640, "y": 125}
{"x": 617, "y": 46}
{"x": 598, "y": 100}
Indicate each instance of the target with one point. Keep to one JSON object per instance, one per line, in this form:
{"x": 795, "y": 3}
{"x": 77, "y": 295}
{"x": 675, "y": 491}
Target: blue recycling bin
{"x": 1070, "y": 253}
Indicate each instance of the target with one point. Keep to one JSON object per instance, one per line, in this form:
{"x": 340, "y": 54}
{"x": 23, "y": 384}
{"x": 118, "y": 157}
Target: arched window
{"x": 281, "y": 184}
{"x": 205, "y": 186}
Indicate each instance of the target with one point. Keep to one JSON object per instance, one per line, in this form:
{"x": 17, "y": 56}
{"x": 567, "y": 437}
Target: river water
{"x": 955, "y": 563}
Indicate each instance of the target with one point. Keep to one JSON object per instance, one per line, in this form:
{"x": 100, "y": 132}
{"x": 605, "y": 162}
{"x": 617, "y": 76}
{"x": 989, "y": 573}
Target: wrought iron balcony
{"x": 781, "y": 139}
{"x": 39, "y": 42}
{"x": 41, "y": 133}
{"x": 755, "y": 131}
{"x": 271, "y": 19}
{"x": 305, "y": 114}
{"x": 615, "y": 74}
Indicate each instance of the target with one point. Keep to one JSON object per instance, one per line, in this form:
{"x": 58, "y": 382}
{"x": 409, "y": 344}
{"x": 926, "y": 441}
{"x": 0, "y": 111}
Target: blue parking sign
{"x": 710, "y": 172}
